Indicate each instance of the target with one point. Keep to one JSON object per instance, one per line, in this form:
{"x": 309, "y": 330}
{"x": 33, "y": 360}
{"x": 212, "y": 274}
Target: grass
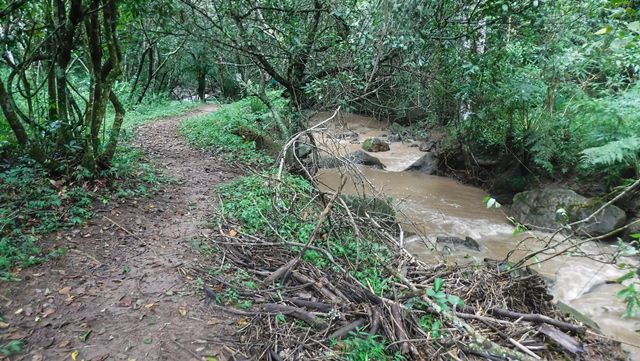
{"x": 32, "y": 204}
{"x": 239, "y": 131}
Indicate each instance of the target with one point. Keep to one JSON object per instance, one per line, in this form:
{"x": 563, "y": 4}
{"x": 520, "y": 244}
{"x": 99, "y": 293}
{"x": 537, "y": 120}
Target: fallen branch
{"x": 296, "y": 312}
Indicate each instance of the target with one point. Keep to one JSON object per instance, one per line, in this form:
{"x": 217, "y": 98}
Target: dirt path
{"x": 120, "y": 293}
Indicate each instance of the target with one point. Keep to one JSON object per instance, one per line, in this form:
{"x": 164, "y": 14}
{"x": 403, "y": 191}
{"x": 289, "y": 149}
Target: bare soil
{"x": 122, "y": 292}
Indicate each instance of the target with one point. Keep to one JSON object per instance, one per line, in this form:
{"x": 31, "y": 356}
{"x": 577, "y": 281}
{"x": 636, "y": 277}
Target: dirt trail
{"x": 120, "y": 293}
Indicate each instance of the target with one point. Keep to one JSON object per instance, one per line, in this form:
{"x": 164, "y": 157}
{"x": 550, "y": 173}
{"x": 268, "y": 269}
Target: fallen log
{"x": 567, "y": 342}
{"x": 344, "y": 330}
{"x": 537, "y": 318}
{"x": 296, "y": 312}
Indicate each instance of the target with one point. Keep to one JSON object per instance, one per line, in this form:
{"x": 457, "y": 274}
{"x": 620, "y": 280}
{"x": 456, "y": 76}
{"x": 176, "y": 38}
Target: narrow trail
{"x": 121, "y": 292}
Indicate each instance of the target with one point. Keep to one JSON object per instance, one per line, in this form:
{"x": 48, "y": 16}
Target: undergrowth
{"x": 33, "y": 203}
{"x": 240, "y": 131}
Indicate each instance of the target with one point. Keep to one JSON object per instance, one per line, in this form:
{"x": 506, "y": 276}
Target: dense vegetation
{"x": 548, "y": 84}
{"x": 546, "y": 89}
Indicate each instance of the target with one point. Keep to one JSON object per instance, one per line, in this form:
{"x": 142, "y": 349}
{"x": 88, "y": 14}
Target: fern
{"x": 626, "y": 149}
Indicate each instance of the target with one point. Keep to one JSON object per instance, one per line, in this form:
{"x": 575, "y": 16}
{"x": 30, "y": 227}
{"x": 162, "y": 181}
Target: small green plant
{"x": 11, "y": 348}
{"x": 442, "y": 299}
{"x": 432, "y": 325}
{"x": 630, "y": 294}
{"x": 491, "y": 202}
{"x": 361, "y": 346}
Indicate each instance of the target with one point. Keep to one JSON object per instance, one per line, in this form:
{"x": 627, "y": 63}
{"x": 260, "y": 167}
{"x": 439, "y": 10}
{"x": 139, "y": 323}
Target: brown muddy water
{"x": 432, "y": 206}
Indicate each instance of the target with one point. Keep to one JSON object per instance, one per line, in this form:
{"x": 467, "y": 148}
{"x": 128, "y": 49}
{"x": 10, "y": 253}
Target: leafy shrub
{"x": 236, "y": 130}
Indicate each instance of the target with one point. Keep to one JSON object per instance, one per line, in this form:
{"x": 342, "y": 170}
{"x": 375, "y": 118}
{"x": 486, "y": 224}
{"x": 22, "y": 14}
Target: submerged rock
{"x": 357, "y": 157}
{"x": 540, "y": 208}
{"x": 348, "y": 135}
{"x": 427, "y": 164}
{"x": 467, "y": 242}
{"x": 375, "y": 145}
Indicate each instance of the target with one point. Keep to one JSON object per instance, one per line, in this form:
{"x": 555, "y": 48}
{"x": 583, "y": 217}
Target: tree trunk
{"x": 202, "y": 84}
{"x": 110, "y": 149}
{"x": 22, "y": 137}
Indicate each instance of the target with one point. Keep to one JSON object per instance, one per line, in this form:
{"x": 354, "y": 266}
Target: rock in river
{"x": 468, "y": 242}
{"x": 375, "y": 145}
{"x": 540, "y": 208}
{"x": 357, "y": 157}
{"x": 426, "y": 164}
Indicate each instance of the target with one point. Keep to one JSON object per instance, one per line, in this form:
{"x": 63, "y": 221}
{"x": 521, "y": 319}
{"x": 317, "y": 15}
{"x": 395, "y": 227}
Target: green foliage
{"x": 432, "y": 325}
{"x": 236, "y": 130}
{"x": 631, "y": 297}
{"x": 630, "y": 294}
{"x": 11, "y": 348}
{"x": 442, "y": 299}
{"x": 288, "y": 213}
{"x": 362, "y": 346}
{"x": 255, "y": 202}
{"x": 31, "y": 204}
{"x": 618, "y": 151}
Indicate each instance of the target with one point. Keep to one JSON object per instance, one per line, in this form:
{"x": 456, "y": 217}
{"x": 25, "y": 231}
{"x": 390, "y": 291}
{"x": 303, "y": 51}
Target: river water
{"x": 433, "y": 206}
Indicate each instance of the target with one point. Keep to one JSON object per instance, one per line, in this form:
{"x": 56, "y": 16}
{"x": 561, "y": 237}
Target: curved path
{"x": 121, "y": 293}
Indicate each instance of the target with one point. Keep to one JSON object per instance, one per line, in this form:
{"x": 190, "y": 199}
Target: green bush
{"x": 236, "y": 130}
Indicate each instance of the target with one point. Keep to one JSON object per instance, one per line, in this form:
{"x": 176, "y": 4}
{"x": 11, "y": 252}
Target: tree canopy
{"x": 540, "y": 81}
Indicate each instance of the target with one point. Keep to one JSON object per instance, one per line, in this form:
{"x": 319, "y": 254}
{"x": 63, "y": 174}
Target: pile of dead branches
{"x": 301, "y": 311}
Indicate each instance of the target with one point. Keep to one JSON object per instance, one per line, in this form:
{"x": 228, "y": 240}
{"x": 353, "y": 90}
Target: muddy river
{"x": 434, "y": 206}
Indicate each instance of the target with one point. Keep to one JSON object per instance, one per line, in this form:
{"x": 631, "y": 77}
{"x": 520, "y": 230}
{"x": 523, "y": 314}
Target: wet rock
{"x": 427, "y": 146}
{"x": 393, "y": 138}
{"x": 540, "y": 208}
{"x": 375, "y": 145}
{"x": 467, "y": 242}
{"x": 303, "y": 150}
{"x": 426, "y": 164}
{"x": 357, "y": 157}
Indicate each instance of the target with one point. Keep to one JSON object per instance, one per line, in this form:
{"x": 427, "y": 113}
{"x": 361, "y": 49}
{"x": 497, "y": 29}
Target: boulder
{"x": 357, "y": 157}
{"x": 427, "y": 146}
{"x": 467, "y": 242}
{"x": 303, "y": 150}
{"x": 426, "y": 164}
{"x": 375, "y": 145}
{"x": 540, "y": 208}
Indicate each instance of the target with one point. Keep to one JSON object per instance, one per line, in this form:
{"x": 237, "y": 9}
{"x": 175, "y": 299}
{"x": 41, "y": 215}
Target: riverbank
{"x": 319, "y": 277}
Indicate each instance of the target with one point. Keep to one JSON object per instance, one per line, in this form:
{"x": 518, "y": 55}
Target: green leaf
{"x": 437, "y": 284}
{"x": 604, "y": 30}
{"x": 634, "y": 26}
{"x": 84, "y": 337}
{"x": 455, "y": 300}
{"x": 626, "y": 276}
